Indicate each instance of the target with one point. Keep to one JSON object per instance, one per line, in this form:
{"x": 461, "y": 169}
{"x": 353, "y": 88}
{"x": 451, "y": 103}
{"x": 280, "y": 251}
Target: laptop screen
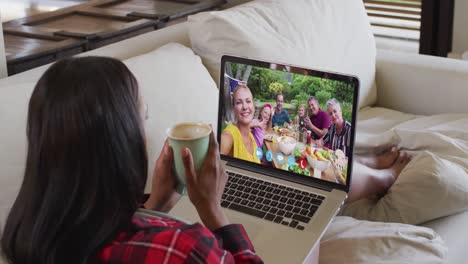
{"x": 287, "y": 118}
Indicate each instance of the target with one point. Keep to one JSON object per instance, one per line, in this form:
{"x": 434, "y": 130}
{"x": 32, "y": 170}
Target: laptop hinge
{"x": 281, "y": 175}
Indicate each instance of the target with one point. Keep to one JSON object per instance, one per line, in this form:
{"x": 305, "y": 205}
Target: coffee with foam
{"x": 186, "y": 131}
{"x": 194, "y": 136}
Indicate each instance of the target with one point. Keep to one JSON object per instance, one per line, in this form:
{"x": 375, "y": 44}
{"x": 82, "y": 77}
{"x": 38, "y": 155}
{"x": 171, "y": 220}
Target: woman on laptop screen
{"x": 237, "y": 139}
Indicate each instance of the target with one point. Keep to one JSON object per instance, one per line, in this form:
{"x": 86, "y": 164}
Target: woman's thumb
{"x": 188, "y": 165}
{"x": 168, "y": 153}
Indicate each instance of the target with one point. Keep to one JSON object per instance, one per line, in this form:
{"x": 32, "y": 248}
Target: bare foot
{"x": 388, "y": 176}
{"x": 382, "y": 161}
{"x": 400, "y": 163}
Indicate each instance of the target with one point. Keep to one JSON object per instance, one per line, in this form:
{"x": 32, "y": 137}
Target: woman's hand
{"x": 255, "y": 123}
{"x": 206, "y": 188}
{"x": 163, "y": 195}
{"x": 264, "y": 124}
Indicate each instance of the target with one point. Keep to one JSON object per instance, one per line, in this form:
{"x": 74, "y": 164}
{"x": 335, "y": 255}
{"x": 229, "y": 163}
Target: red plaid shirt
{"x": 164, "y": 240}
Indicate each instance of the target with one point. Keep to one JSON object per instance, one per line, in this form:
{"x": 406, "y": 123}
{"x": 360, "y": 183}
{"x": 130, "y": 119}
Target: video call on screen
{"x": 287, "y": 119}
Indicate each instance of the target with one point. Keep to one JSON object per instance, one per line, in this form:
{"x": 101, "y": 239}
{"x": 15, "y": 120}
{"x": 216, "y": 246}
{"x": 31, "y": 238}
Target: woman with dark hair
{"x": 85, "y": 175}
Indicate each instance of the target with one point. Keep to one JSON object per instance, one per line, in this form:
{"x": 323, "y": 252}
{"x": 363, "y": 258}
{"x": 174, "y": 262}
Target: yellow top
{"x": 238, "y": 148}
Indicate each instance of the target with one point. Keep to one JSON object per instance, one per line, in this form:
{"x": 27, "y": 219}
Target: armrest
{"x": 420, "y": 84}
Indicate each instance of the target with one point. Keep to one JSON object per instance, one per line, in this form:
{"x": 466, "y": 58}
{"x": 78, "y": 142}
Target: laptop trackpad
{"x": 251, "y": 224}
{"x": 185, "y": 210}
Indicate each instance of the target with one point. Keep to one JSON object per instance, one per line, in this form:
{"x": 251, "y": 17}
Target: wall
{"x": 460, "y": 25}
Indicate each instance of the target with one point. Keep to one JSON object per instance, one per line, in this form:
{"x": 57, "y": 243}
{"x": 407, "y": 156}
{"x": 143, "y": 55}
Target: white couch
{"x": 415, "y": 84}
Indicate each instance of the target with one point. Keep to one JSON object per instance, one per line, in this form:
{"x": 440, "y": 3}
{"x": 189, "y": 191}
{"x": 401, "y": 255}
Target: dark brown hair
{"x": 86, "y": 163}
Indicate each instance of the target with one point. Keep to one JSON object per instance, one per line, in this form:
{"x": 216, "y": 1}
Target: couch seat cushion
{"x": 348, "y": 240}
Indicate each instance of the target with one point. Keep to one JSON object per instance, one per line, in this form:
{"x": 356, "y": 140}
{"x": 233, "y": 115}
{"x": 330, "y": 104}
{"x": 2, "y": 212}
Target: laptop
{"x": 290, "y": 187}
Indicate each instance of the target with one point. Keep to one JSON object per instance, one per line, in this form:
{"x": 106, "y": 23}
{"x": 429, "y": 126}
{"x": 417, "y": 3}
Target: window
{"x": 423, "y": 26}
{"x": 396, "y": 23}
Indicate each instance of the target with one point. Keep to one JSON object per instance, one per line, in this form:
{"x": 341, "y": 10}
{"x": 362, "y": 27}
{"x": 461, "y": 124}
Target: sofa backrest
{"x": 14, "y": 101}
{"x": 332, "y": 35}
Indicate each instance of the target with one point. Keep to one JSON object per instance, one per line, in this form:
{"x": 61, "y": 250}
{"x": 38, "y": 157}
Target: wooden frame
{"x": 65, "y": 32}
{"x": 192, "y": 7}
{"x": 436, "y": 27}
{"x": 118, "y": 23}
{"x": 51, "y": 48}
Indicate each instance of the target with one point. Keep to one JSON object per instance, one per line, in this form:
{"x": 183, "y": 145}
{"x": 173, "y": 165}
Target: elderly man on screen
{"x": 319, "y": 121}
{"x": 280, "y": 115}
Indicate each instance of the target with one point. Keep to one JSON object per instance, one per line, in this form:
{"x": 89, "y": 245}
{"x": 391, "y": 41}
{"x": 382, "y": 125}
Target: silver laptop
{"x": 293, "y": 186}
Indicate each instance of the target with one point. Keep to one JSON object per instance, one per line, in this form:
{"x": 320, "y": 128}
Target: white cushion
{"x": 435, "y": 183}
{"x": 14, "y": 100}
{"x": 348, "y": 240}
{"x": 330, "y": 35}
{"x": 454, "y": 232}
{"x": 376, "y": 128}
{"x": 406, "y": 79}
{"x": 177, "y": 88}
{"x": 429, "y": 187}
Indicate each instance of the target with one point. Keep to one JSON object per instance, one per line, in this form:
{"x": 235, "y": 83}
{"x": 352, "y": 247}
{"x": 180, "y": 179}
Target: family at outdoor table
{"x": 372, "y": 174}
{"x": 327, "y": 129}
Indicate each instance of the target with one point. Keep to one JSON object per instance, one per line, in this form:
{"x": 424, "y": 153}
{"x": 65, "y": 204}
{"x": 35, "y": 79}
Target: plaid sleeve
{"x": 234, "y": 239}
{"x": 196, "y": 244}
{"x": 162, "y": 240}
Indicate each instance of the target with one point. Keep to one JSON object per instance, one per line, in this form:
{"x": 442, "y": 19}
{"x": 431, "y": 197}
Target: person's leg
{"x": 382, "y": 161}
{"x": 367, "y": 182}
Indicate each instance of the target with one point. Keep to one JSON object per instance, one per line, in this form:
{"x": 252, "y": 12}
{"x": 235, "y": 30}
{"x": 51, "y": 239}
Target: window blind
{"x": 395, "y": 18}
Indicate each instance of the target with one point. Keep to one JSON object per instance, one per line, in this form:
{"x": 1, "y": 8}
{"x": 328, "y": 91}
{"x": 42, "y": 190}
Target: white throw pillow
{"x": 14, "y": 100}
{"x": 332, "y": 35}
{"x": 177, "y": 88}
{"x": 429, "y": 187}
{"x": 352, "y": 241}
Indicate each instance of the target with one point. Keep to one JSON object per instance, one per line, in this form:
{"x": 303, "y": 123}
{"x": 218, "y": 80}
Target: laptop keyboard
{"x": 270, "y": 201}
